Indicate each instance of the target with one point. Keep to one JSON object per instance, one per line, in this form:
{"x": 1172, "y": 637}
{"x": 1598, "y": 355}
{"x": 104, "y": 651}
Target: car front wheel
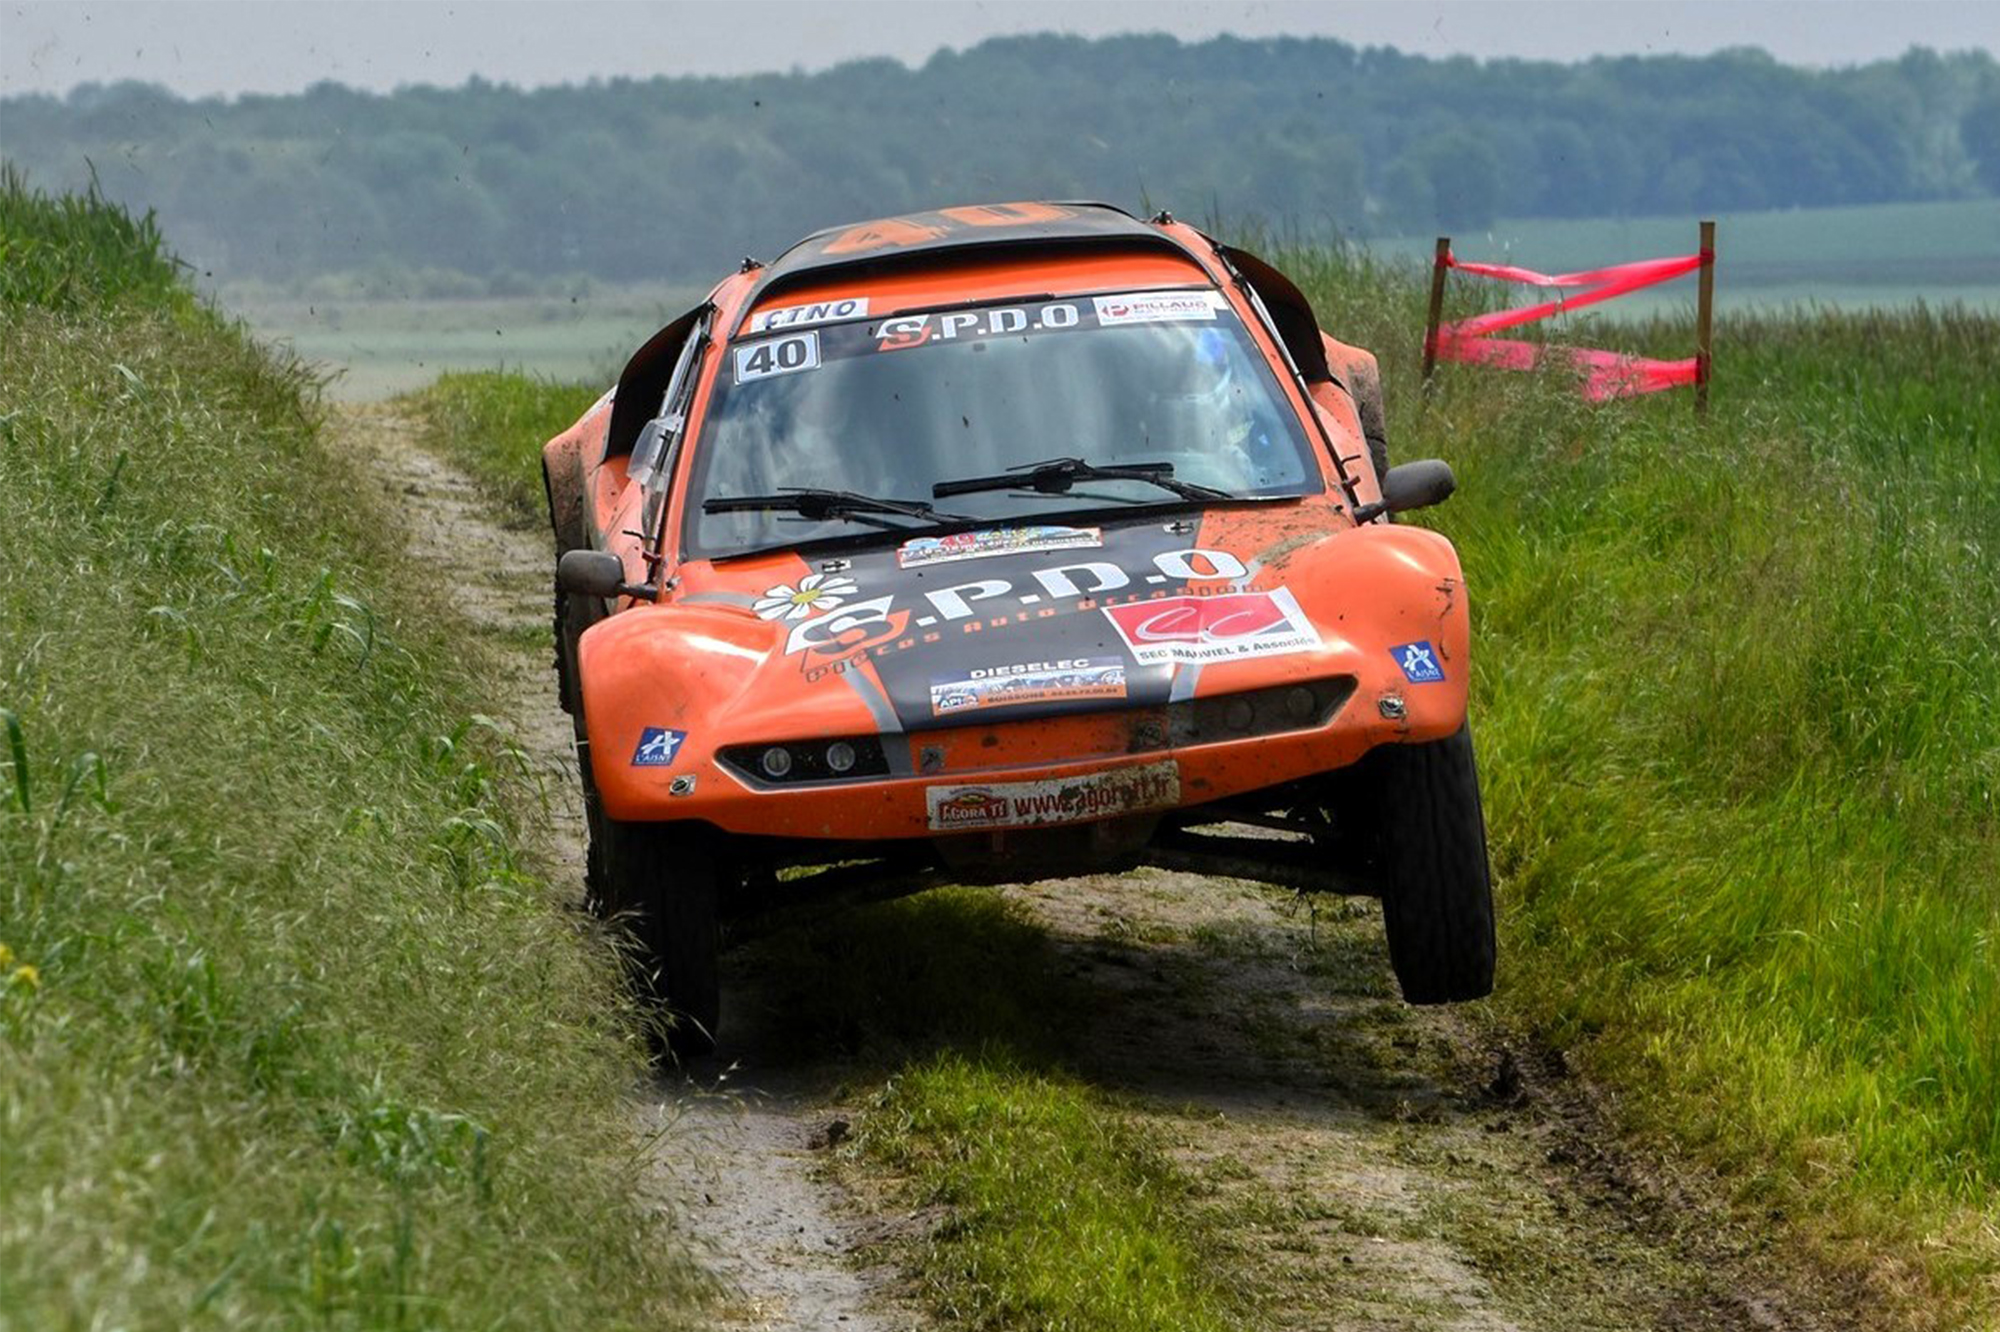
{"x": 1430, "y": 857}
{"x": 661, "y": 883}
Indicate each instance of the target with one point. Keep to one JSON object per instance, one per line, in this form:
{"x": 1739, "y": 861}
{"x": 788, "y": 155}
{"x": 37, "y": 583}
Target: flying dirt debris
{"x": 1003, "y": 542}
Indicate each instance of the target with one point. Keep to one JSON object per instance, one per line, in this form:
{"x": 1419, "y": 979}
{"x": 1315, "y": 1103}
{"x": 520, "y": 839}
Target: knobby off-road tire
{"x": 1430, "y": 858}
{"x": 662, "y": 886}
{"x": 573, "y": 615}
{"x": 1366, "y": 386}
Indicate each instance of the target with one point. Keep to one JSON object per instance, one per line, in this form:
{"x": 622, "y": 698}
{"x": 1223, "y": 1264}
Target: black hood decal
{"x": 1010, "y": 623}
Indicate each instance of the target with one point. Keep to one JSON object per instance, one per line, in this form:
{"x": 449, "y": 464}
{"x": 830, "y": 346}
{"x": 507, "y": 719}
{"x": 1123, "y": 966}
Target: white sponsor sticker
{"x": 777, "y": 356}
{"x": 819, "y": 312}
{"x": 920, "y": 551}
{"x": 1155, "y": 307}
{"x": 1057, "y": 800}
{"x": 1224, "y": 627}
{"x": 1061, "y": 681}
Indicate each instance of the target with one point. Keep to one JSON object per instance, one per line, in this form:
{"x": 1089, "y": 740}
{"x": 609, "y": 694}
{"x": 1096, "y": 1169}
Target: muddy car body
{"x": 1003, "y": 542}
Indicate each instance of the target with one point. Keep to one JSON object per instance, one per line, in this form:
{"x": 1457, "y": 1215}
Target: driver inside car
{"x": 1204, "y": 424}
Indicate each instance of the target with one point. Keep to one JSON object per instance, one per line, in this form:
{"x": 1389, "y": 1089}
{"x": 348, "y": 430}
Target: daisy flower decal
{"x": 815, "y": 593}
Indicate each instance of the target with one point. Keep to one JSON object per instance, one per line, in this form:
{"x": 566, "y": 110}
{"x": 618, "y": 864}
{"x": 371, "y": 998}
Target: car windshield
{"x": 890, "y": 408}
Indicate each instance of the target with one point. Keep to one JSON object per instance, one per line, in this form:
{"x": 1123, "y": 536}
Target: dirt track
{"x": 1398, "y": 1168}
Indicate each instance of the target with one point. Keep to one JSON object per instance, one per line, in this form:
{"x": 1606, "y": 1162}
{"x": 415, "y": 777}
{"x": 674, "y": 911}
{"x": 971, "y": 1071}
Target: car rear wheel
{"x": 1367, "y": 389}
{"x": 1430, "y": 858}
{"x": 661, "y": 884}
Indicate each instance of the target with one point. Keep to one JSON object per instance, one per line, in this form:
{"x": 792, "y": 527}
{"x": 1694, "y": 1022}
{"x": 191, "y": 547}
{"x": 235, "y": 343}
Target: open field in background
{"x": 1738, "y": 710}
{"x": 384, "y": 346}
{"x": 1888, "y": 255}
{"x": 292, "y": 1034}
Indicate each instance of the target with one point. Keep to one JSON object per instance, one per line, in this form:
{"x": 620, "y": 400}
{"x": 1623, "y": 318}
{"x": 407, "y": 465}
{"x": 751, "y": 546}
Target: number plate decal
{"x": 777, "y": 356}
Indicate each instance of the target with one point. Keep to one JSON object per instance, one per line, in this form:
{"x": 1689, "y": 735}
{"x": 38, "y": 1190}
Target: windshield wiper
{"x": 820, "y": 505}
{"x": 1057, "y": 475}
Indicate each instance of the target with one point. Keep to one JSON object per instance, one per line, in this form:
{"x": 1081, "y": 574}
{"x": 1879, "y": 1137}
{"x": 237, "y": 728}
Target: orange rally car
{"x": 1002, "y": 543}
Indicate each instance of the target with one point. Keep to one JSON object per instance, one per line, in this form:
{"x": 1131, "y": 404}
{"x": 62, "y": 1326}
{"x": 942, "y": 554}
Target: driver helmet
{"x": 1207, "y": 388}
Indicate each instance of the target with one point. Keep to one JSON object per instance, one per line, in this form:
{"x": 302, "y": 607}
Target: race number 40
{"x": 777, "y": 356}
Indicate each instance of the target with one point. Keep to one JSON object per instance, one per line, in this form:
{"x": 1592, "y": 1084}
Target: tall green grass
{"x": 291, "y": 1037}
{"x": 1738, "y": 704}
{"x": 71, "y": 252}
{"x": 494, "y": 423}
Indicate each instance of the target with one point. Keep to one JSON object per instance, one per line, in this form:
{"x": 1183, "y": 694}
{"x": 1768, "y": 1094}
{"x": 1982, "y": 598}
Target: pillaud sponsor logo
{"x": 819, "y": 312}
{"x": 1057, "y": 800}
{"x": 1029, "y": 682}
{"x": 920, "y": 552}
{"x": 1155, "y": 307}
{"x": 1217, "y": 628}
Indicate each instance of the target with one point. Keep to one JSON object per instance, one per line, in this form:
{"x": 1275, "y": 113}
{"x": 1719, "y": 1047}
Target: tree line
{"x": 670, "y": 178}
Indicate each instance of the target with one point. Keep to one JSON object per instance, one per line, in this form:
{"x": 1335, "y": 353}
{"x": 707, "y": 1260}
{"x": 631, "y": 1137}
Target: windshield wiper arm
{"x": 1057, "y": 475}
{"x": 820, "y": 505}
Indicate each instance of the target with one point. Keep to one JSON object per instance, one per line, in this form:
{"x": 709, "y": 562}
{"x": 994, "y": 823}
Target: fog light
{"x": 777, "y": 761}
{"x": 1239, "y": 714}
{"x": 1301, "y": 703}
{"x": 840, "y": 756}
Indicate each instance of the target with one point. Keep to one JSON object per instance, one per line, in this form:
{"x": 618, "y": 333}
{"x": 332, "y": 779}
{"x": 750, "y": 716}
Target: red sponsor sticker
{"x": 1218, "y": 628}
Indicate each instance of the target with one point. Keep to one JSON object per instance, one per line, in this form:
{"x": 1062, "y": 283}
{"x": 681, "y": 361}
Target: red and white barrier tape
{"x": 1606, "y": 374}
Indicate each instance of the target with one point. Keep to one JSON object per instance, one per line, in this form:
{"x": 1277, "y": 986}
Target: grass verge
{"x": 494, "y": 423}
{"x": 291, "y": 1037}
{"x": 1063, "y": 1210}
{"x": 1740, "y": 733}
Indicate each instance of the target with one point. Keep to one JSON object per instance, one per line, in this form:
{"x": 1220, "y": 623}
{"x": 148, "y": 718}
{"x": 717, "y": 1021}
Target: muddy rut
{"x": 1385, "y": 1168}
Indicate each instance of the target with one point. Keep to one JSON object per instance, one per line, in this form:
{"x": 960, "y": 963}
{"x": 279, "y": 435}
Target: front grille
{"x": 1305, "y": 706}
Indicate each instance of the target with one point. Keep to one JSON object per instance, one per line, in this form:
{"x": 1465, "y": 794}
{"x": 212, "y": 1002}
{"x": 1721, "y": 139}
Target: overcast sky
{"x": 284, "y": 45}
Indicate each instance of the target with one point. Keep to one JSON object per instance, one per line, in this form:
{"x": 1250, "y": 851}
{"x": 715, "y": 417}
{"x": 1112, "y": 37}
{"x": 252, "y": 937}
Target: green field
{"x": 1883, "y": 255}
{"x": 292, "y": 1034}
{"x": 383, "y": 346}
{"x": 1888, "y": 255}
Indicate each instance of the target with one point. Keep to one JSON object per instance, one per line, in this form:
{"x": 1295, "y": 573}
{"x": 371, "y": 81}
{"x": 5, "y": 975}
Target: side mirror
{"x": 1411, "y": 485}
{"x": 597, "y": 573}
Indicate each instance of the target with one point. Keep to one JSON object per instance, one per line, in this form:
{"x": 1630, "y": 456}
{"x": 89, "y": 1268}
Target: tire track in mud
{"x": 1376, "y": 1167}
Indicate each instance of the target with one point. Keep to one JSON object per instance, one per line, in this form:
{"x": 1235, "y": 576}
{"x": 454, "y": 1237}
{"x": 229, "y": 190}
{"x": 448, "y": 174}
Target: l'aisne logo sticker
{"x": 1419, "y": 662}
{"x": 1195, "y": 630}
{"x": 657, "y": 747}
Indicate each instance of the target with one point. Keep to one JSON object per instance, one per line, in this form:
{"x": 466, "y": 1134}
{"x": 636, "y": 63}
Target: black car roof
{"x": 866, "y": 248}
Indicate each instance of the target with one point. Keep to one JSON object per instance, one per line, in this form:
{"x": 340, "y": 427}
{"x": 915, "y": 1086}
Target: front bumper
{"x": 1038, "y": 773}
{"x": 712, "y": 681}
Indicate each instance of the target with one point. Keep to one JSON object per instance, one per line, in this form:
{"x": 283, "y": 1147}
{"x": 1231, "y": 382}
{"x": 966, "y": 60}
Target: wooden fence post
{"x": 1704, "y": 320}
{"x": 1438, "y": 269}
